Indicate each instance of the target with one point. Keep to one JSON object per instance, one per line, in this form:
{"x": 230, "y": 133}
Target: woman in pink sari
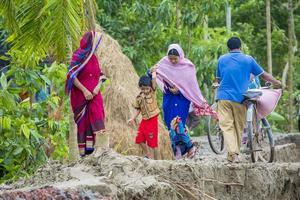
{"x": 83, "y": 86}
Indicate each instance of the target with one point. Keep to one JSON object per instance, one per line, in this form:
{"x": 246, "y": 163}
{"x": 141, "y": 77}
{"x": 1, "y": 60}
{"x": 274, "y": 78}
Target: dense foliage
{"x": 37, "y": 37}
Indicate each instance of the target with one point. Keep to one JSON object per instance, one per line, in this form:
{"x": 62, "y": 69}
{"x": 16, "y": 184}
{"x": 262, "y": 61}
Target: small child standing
{"x": 146, "y": 104}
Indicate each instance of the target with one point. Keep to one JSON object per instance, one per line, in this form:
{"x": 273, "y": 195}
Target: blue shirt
{"x": 234, "y": 71}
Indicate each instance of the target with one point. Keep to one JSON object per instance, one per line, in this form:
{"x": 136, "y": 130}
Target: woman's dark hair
{"x": 234, "y": 43}
{"x": 145, "y": 81}
{"x": 173, "y": 52}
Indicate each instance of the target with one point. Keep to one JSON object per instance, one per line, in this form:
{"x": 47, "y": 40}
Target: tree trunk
{"x": 291, "y": 31}
{"x": 205, "y": 28}
{"x": 269, "y": 36}
{"x": 284, "y": 74}
{"x": 72, "y": 140}
{"x": 228, "y": 16}
{"x": 190, "y": 37}
{"x": 178, "y": 14}
{"x": 73, "y": 147}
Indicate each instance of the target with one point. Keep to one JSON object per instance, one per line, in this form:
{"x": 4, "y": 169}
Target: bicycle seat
{"x": 252, "y": 94}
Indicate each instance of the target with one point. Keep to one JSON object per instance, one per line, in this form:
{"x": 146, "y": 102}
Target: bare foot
{"x": 192, "y": 152}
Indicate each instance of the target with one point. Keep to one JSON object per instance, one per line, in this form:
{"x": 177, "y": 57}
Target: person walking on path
{"x": 233, "y": 75}
{"x": 146, "y": 104}
{"x": 176, "y": 77}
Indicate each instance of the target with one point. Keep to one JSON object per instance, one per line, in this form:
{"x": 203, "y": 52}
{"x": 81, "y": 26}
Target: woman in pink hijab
{"x": 176, "y": 76}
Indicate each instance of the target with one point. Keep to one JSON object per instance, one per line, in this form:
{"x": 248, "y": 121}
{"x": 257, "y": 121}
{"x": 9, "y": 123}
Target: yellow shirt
{"x": 147, "y": 103}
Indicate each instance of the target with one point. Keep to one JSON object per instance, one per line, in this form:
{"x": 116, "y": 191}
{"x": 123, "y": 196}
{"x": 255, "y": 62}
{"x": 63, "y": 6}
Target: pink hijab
{"x": 183, "y": 76}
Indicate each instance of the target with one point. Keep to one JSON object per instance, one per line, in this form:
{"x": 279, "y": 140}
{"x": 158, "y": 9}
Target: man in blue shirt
{"x": 233, "y": 75}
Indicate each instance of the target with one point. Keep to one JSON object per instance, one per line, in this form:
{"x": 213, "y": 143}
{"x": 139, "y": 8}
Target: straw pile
{"x": 119, "y": 96}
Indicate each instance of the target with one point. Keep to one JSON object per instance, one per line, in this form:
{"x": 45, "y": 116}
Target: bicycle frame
{"x": 257, "y": 130}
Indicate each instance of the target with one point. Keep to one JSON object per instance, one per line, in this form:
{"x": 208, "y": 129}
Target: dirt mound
{"x": 49, "y": 193}
{"x": 130, "y": 177}
{"x": 119, "y": 96}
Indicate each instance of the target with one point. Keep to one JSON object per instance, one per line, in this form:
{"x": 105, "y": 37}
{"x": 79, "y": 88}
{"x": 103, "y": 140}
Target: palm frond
{"x": 63, "y": 26}
{"x": 44, "y": 27}
{"x": 8, "y": 10}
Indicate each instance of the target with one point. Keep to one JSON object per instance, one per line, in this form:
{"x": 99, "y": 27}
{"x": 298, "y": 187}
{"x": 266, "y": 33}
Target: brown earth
{"x": 109, "y": 175}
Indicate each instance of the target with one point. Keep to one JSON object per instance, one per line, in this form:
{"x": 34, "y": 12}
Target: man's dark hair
{"x": 145, "y": 81}
{"x": 234, "y": 43}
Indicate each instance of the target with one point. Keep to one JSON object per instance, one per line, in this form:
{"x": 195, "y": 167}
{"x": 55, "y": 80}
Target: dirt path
{"x": 112, "y": 176}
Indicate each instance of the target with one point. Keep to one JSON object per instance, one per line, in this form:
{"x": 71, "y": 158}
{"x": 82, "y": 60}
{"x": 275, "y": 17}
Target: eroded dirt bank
{"x": 109, "y": 175}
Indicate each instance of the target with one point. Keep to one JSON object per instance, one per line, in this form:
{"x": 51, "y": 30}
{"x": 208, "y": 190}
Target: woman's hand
{"x": 96, "y": 90}
{"x": 174, "y": 90}
{"x": 87, "y": 94}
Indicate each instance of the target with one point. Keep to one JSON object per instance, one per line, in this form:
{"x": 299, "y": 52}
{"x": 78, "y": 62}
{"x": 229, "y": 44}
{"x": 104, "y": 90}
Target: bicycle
{"x": 214, "y": 132}
{"x": 257, "y": 131}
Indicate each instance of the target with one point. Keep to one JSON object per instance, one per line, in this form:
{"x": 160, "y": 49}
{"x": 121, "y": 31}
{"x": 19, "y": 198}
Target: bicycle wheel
{"x": 267, "y": 142}
{"x": 215, "y": 134}
{"x": 260, "y": 139}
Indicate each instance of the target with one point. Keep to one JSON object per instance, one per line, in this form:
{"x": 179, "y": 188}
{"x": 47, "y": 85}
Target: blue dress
{"x": 175, "y": 105}
{"x": 181, "y": 139}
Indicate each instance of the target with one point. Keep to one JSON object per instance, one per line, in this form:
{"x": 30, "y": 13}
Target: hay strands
{"x": 186, "y": 188}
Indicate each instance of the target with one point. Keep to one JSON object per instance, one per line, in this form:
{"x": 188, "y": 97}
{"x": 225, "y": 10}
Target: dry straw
{"x": 119, "y": 96}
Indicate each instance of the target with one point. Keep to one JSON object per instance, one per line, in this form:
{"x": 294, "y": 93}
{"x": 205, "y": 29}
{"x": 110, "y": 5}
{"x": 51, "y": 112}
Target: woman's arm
{"x": 87, "y": 94}
{"x": 100, "y": 82}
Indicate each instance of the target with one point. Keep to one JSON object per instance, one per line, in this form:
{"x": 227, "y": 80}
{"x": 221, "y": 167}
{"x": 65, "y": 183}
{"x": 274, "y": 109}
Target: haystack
{"x": 119, "y": 96}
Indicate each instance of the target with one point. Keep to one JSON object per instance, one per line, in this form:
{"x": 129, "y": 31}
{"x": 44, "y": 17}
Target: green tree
{"x": 39, "y": 31}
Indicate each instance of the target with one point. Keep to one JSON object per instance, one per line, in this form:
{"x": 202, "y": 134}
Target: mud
{"x": 109, "y": 175}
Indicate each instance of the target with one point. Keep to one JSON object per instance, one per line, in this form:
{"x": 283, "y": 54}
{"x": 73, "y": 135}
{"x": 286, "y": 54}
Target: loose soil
{"x": 109, "y": 175}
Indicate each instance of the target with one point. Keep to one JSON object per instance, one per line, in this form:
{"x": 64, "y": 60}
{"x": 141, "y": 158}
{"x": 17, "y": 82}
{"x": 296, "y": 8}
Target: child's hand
{"x": 154, "y": 68}
{"x": 131, "y": 121}
{"x": 174, "y": 90}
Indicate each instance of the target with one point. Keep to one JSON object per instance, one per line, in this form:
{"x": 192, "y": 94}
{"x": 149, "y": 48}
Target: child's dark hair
{"x": 173, "y": 52}
{"x": 145, "y": 81}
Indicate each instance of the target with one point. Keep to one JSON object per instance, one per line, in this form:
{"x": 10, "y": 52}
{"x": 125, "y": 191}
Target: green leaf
{"x": 25, "y": 130}
{"x": 36, "y": 135}
{"x": 5, "y": 58}
{"x": 18, "y": 150}
{"x": 47, "y": 81}
{"x": 274, "y": 116}
{"x": 3, "y": 81}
